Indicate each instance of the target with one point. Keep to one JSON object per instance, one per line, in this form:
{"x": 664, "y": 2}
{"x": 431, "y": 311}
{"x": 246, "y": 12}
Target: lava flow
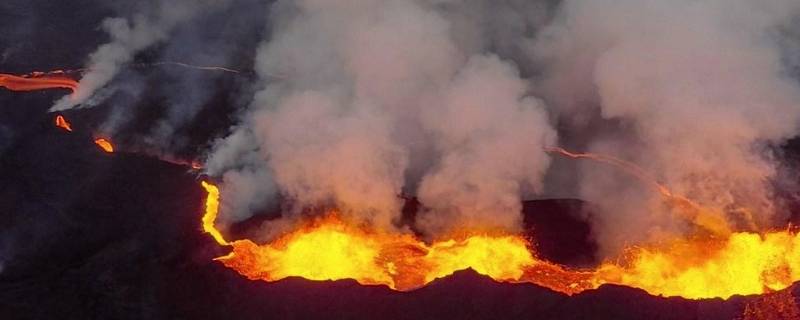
{"x": 330, "y": 249}
{"x": 59, "y": 79}
{"x": 104, "y": 144}
{"x": 62, "y": 123}
{"x": 708, "y": 219}
{"x": 38, "y": 81}
{"x": 742, "y": 264}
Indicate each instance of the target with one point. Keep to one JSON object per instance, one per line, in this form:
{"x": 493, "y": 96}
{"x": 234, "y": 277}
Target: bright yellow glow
{"x": 330, "y": 249}
{"x": 745, "y": 263}
{"x": 212, "y": 208}
{"x": 503, "y": 257}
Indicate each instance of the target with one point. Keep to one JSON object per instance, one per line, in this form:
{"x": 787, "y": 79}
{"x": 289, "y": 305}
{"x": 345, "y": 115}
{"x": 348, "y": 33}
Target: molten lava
{"x": 212, "y": 207}
{"x": 60, "y": 79}
{"x": 330, "y": 248}
{"x": 38, "y": 81}
{"x": 62, "y": 123}
{"x": 104, "y": 144}
{"x": 744, "y": 263}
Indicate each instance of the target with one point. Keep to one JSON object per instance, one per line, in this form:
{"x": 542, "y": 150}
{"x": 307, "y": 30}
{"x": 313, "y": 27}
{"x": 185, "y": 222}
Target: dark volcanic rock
{"x": 560, "y": 230}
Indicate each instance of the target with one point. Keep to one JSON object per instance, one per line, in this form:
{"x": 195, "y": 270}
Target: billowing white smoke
{"x": 490, "y": 137}
{"x": 364, "y": 101}
{"x": 698, "y": 87}
{"x": 376, "y": 98}
{"x": 128, "y": 37}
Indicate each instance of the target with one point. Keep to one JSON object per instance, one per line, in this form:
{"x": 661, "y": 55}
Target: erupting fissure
{"x": 212, "y": 208}
{"x": 330, "y": 248}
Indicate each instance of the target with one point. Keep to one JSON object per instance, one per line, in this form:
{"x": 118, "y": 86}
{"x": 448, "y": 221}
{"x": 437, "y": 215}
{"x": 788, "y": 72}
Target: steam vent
{"x": 400, "y": 159}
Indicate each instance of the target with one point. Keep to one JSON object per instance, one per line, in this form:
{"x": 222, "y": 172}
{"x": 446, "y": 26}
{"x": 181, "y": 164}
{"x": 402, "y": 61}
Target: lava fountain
{"x": 743, "y": 263}
{"x": 62, "y": 123}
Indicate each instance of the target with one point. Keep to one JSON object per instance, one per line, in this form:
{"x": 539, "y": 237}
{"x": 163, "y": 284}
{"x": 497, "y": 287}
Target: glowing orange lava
{"x": 62, "y": 123}
{"x": 210, "y": 216}
{"x": 37, "y": 81}
{"x": 104, "y": 144}
{"x": 744, "y": 263}
{"x": 329, "y": 248}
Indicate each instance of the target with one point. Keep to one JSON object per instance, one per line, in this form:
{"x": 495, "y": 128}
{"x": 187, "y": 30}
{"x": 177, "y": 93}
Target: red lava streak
{"x": 38, "y": 81}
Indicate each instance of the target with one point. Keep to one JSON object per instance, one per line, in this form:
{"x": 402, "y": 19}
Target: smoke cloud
{"x": 380, "y": 98}
{"x": 699, "y": 92}
{"x": 151, "y": 24}
{"x": 490, "y": 138}
{"x": 358, "y": 104}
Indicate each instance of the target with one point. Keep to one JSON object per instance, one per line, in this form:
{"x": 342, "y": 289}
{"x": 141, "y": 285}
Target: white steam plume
{"x": 128, "y": 37}
{"x": 490, "y": 137}
{"x": 378, "y": 97}
{"x": 698, "y": 87}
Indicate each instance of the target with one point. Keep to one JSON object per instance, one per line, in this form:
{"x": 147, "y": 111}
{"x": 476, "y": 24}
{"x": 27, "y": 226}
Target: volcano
{"x": 391, "y": 159}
